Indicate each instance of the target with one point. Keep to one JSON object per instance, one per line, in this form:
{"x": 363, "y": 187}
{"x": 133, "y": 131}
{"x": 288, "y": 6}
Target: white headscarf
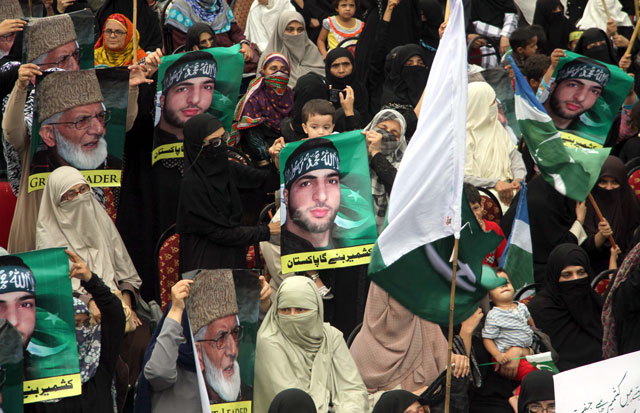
{"x": 488, "y": 142}
{"x": 83, "y": 226}
{"x": 595, "y": 16}
{"x": 263, "y": 20}
{"x": 302, "y": 54}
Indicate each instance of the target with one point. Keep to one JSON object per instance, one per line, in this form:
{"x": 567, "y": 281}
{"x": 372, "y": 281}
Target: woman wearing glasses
{"x": 295, "y": 349}
{"x": 115, "y": 45}
{"x": 536, "y": 393}
{"x": 210, "y": 224}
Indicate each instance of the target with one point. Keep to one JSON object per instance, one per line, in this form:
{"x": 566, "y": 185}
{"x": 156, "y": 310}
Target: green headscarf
{"x": 300, "y": 351}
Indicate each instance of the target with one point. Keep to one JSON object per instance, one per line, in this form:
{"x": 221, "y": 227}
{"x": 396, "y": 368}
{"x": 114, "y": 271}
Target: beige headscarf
{"x": 300, "y": 351}
{"x": 302, "y": 54}
{"x": 84, "y": 227}
{"x": 396, "y": 347}
{"x": 488, "y": 142}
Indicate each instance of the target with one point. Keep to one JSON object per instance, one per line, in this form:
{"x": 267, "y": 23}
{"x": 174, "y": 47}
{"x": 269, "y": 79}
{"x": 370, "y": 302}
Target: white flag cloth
{"x": 425, "y": 201}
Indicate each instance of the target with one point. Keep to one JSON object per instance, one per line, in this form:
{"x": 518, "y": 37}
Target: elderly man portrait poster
{"x": 190, "y": 84}
{"x": 80, "y": 122}
{"x": 327, "y": 210}
{"x": 223, "y": 309}
{"x": 585, "y": 95}
{"x": 35, "y": 296}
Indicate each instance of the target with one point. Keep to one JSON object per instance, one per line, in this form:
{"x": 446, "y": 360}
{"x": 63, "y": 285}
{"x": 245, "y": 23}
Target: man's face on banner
{"x": 19, "y": 308}
{"x": 218, "y": 355}
{"x": 572, "y": 97}
{"x": 78, "y": 137}
{"x": 313, "y": 201}
{"x": 66, "y": 56}
{"x": 187, "y": 99}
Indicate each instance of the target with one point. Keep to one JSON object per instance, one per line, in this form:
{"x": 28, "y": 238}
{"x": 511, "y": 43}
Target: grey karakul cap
{"x": 212, "y": 296}
{"x": 60, "y": 91}
{"x": 10, "y": 9}
{"x": 45, "y": 34}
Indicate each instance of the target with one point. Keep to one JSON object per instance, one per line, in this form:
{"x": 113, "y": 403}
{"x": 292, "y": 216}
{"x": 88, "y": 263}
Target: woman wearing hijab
{"x": 115, "y": 46}
{"x": 620, "y": 320}
{"x": 432, "y": 18}
{"x": 263, "y": 19}
{"x": 70, "y": 216}
{"x": 386, "y": 144}
{"x": 619, "y": 206}
{"x": 98, "y": 347}
{"x": 148, "y": 22}
{"x": 292, "y": 401}
{"x": 290, "y": 39}
{"x": 209, "y": 210}
{"x": 492, "y": 160}
{"x": 495, "y": 19}
{"x": 568, "y": 309}
{"x": 310, "y": 86}
{"x": 550, "y": 16}
{"x": 340, "y": 73}
{"x": 536, "y": 392}
{"x": 182, "y": 14}
{"x": 296, "y": 349}
{"x": 398, "y": 401}
{"x": 595, "y": 43}
{"x": 396, "y": 348}
{"x": 200, "y": 36}
{"x": 267, "y": 102}
{"x": 595, "y": 16}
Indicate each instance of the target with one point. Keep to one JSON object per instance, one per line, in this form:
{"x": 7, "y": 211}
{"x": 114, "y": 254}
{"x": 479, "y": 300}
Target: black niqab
{"x": 432, "y": 13}
{"x": 193, "y": 35}
{"x": 208, "y": 197}
{"x": 394, "y": 401}
{"x": 570, "y": 311}
{"x": 292, "y": 401}
{"x": 603, "y": 53}
{"x": 619, "y": 206}
{"x": 537, "y": 386}
{"x": 556, "y": 27}
{"x": 404, "y": 84}
{"x": 491, "y": 11}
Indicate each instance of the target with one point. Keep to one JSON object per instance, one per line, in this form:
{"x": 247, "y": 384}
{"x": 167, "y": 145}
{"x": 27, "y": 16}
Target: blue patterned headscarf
{"x": 216, "y": 13}
{"x": 88, "y": 338}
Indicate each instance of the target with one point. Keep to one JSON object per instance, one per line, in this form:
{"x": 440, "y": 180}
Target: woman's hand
{"x": 556, "y": 55}
{"x": 604, "y": 232}
{"x": 620, "y": 41}
{"x": 274, "y": 151}
{"x": 611, "y": 27}
{"x": 347, "y": 98}
{"x": 246, "y": 51}
{"x": 625, "y": 62}
{"x": 581, "y": 211}
{"x": 9, "y": 26}
{"x": 152, "y": 62}
{"x": 137, "y": 76}
{"x": 179, "y": 293}
{"x": 78, "y": 268}
{"x": 314, "y": 23}
{"x": 265, "y": 294}
{"x": 441, "y": 29}
{"x": 374, "y": 139}
{"x": 504, "y": 44}
{"x": 274, "y": 228}
{"x": 460, "y": 365}
{"x": 63, "y": 4}
{"x": 505, "y": 192}
{"x": 479, "y": 43}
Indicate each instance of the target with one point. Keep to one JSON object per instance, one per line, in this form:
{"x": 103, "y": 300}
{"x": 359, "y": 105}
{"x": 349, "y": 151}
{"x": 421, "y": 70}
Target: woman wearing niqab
{"x": 569, "y": 310}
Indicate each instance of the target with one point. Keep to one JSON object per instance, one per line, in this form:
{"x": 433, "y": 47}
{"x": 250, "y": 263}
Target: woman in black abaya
{"x": 595, "y": 43}
{"x": 209, "y": 209}
{"x": 568, "y": 309}
{"x": 340, "y": 73}
{"x": 550, "y": 15}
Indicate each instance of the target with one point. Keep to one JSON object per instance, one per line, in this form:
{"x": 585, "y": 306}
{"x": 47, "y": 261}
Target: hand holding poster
{"x": 327, "y": 218}
{"x": 190, "y": 84}
{"x": 585, "y": 96}
{"x": 38, "y": 284}
{"x": 80, "y": 121}
{"x": 611, "y": 385}
{"x": 223, "y": 308}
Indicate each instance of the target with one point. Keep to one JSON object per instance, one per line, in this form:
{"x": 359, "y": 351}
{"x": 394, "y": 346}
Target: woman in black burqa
{"x": 568, "y": 309}
{"x": 210, "y": 210}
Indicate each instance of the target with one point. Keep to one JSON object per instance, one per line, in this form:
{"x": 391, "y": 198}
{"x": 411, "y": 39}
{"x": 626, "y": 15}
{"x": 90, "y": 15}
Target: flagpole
{"x": 635, "y": 30}
{"x": 606, "y": 10}
{"x": 447, "y": 397}
{"x": 134, "y": 60}
{"x": 595, "y": 206}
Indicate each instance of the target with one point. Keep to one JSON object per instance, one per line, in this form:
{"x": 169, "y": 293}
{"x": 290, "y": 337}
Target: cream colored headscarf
{"x": 302, "y": 54}
{"x": 488, "y": 142}
{"x": 396, "y": 347}
{"x": 300, "y": 351}
{"x": 595, "y": 16}
{"x": 84, "y": 227}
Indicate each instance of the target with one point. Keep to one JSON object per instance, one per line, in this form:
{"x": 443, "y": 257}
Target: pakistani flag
{"x": 571, "y": 171}
{"x": 412, "y": 257}
{"x": 517, "y": 258}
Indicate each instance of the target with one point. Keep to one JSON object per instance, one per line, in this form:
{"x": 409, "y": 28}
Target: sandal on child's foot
{"x": 325, "y": 292}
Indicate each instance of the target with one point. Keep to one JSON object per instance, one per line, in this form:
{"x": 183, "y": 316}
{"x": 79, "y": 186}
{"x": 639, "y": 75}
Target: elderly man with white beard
{"x": 74, "y": 123}
{"x": 212, "y": 313}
